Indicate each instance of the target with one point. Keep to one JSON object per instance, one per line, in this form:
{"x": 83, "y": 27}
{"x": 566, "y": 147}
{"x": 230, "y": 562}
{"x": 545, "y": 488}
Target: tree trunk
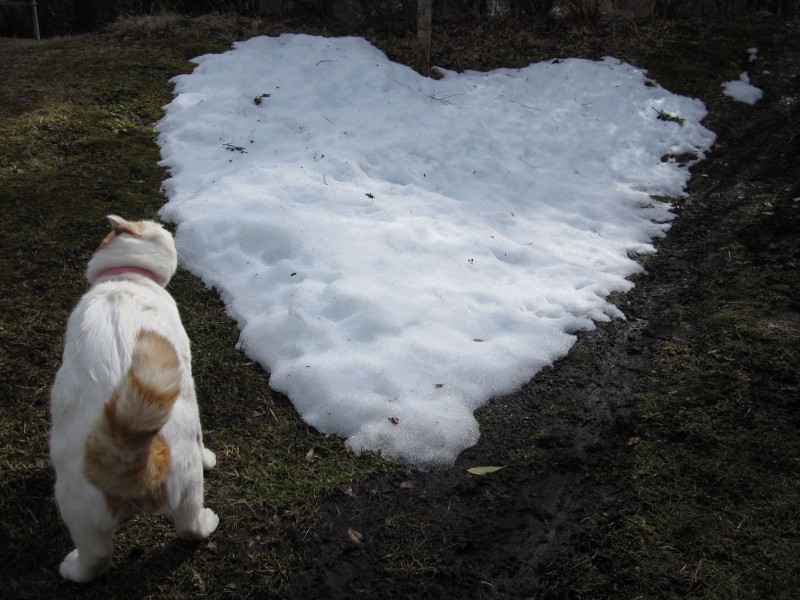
{"x": 424, "y": 37}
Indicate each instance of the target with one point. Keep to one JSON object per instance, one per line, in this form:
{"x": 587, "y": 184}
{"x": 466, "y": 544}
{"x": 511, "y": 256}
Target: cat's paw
{"x": 210, "y": 522}
{"x": 70, "y": 567}
{"x": 204, "y": 526}
{"x": 209, "y": 459}
{"x": 74, "y": 569}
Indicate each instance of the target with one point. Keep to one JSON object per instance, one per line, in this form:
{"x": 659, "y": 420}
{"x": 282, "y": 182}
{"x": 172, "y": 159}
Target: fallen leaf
{"x": 310, "y": 455}
{"x": 355, "y": 536}
{"x": 407, "y": 485}
{"x": 484, "y": 470}
{"x": 394, "y": 420}
{"x": 634, "y": 440}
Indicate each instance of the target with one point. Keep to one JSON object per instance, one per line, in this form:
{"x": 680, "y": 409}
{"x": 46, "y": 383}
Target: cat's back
{"x": 100, "y": 336}
{"x": 119, "y": 308}
{"x": 104, "y": 325}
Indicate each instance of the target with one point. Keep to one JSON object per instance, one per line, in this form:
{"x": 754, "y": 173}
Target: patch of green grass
{"x": 670, "y": 118}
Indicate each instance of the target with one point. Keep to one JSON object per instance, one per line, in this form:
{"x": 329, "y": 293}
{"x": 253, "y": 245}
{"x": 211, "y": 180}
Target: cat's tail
{"x": 125, "y": 455}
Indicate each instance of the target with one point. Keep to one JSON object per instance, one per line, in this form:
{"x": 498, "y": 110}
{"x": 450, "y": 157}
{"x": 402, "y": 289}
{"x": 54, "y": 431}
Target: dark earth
{"x": 660, "y": 458}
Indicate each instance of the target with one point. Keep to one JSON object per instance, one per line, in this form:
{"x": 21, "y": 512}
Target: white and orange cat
{"x": 126, "y": 433}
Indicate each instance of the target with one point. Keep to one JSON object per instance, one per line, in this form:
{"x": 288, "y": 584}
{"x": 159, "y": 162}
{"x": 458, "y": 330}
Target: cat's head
{"x": 142, "y": 245}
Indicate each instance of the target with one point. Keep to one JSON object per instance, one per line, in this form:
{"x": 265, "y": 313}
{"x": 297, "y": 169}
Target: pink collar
{"x": 126, "y": 270}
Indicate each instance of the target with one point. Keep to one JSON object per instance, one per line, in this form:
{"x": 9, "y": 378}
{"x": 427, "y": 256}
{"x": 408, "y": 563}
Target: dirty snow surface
{"x": 397, "y": 250}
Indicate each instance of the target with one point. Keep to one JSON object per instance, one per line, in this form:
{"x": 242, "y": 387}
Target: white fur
{"x": 100, "y": 336}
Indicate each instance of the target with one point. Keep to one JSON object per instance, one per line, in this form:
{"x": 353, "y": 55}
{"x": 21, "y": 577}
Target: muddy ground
{"x": 660, "y": 458}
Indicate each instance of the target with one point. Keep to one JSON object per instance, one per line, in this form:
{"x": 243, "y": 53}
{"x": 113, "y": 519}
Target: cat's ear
{"x": 120, "y": 225}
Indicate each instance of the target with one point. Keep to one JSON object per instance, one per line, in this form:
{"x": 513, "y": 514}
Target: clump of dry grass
{"x": 210, "y": 26}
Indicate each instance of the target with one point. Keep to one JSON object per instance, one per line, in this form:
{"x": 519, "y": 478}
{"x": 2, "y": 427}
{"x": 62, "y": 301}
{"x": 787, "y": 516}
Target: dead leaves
{"x": 355, "y": 536}
{"x": 484, "y": 470}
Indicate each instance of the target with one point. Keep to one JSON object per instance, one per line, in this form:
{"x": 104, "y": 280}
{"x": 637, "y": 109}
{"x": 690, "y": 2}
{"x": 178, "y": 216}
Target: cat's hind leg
{"x": 194, "y": 522}
{"x": 94, "y": 549}
{"x": 84, "y": 566}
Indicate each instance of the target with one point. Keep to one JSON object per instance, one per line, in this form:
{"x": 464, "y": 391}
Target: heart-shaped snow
{"x": 397, "y": 250}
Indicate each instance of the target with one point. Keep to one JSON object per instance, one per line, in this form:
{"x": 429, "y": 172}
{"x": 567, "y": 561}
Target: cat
{"x": 125, "y": 427}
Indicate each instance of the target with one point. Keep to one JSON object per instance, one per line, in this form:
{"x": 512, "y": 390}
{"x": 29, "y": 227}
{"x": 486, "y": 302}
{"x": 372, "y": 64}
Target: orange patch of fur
{"x": 157, "y": 464}
{"x": 105, "y": 242}
{"x": 124, "y": 455}
{"x": 149, "y": 395}
{"x": 116, "y": 229}
{"x": 153, "y": 479}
